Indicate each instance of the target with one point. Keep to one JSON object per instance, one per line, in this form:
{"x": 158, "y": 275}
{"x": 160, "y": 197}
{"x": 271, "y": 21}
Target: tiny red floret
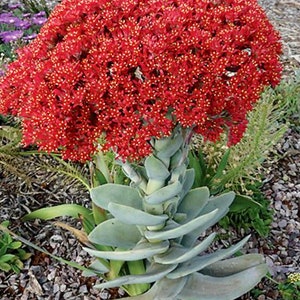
{"x": 132, "y": 70}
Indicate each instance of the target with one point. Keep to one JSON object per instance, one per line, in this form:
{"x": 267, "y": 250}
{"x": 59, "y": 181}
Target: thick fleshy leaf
{"x": 188, "y": 182}
{"x": 154, "y": 273}
{"x": 164, "y": 193}
{"x": 130, "y": 215}
{"x": 198, "y": 263}
{"x": 176, "y": 254}
{"x": 116, "y": 193}
{"x": 116, "y": 234}
{"x": 221, "y": 202}
{"x": 233, "y": 265}
{"x": 141, "y": 251}
{"x": 193, "y": 202}
{"x": 179, "y": 230}
{"x": 167, "y": 147}
{"x": 155, "y": 168}
{"x": 205, "y": 287}
{"x": 164, "y": 289}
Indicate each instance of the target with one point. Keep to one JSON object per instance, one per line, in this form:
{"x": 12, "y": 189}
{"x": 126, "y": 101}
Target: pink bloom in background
{"x": 132, "y": 70}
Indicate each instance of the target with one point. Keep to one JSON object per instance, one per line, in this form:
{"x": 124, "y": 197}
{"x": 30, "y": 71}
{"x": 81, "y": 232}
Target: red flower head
{"x": 133, "y": 69}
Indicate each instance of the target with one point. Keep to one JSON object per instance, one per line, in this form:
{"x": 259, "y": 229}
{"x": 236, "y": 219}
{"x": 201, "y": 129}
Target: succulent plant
{"x": 157, "y": 221}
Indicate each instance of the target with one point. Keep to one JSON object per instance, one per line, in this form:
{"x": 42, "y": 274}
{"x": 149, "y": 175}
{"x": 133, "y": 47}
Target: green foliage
{"x": 287, "y": 97}
{"x": 35, "y": 6}
{"x": 290, "y": 289}
{"x": 11, "y": 253}
{"x": 10, "y": 153}
{"x": 245, "y": 214}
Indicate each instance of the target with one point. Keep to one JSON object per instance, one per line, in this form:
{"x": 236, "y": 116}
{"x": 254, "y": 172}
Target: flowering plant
{"x": 143, "y": 76}
{"x": 17, "y": 27}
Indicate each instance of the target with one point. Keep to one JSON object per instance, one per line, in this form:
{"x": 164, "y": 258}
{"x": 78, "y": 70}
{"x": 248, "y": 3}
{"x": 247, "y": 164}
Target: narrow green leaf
{"x": 15, "y": 245}
{"x": 130, "y": 215}
{"x": 116, "y": 234}
{"x": 7, "y": 257}
{"x": 5, "y": 267}
{"x": 222, "y": 165}
{"x": 70, "y": 210}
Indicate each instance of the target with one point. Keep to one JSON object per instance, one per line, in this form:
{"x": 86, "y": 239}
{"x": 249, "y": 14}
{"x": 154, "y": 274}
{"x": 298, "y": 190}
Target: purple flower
{"x": 27, "y": 15}
{"x": 23, "y": 24}
{"x": 29, "y": 37}
{"x": 39, "y": 20}
{"x": 8, "y": 18}
{"x": 40, "y": 14}
{"x": 11, "y": 36}
{"x": 14, "y": 6}
{"x": 2, "y": 72}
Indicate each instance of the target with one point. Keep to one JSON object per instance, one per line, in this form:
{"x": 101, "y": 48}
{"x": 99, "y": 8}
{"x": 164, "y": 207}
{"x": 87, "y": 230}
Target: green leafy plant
{"x": 290, "y": 289}
{"x": 36, "y": 6}
{"x": 11, "y": 253}
{"x": 287, "y": 97}
{"x": 248, "y": 213}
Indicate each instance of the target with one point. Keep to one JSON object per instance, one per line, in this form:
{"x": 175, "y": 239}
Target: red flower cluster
{"x": 132, "y": 69}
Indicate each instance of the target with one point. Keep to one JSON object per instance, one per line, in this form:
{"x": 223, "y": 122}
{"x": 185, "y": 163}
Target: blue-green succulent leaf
{"x": 155, "y": 168}
{"x": 167, "y": 147}
{"x": 140, "y": 251}
{"x": 233, "y": 265}
{"x": 231, "y": 287}
{"x": 164, "y": 193}
{"x": 153, "y": 274}
{"x": 188, "y": 182}
{"x": 176, "y": 254}
{"x": 221, "y": 202}
{"x": 193, "y": 202}
{"x": 116, "y": 234}
{"x": 117, "y": 193}
{"x": 198, "y": 263}
{"x": 130, "y": 215}
{"x": 179, "y": 230}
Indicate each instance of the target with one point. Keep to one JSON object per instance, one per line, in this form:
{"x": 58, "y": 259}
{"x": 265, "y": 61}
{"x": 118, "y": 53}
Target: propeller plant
{"x": 139, "y": 78}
